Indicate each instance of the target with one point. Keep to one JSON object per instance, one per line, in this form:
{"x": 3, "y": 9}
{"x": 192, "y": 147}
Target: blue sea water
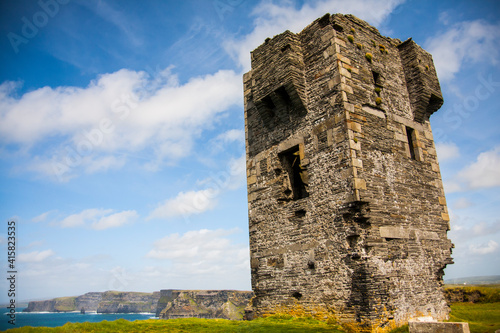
{"x": 50, "y": 319}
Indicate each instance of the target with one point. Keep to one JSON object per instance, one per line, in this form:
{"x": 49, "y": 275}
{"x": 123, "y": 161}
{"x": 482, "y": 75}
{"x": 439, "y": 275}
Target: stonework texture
{"x": 346, "y": 204}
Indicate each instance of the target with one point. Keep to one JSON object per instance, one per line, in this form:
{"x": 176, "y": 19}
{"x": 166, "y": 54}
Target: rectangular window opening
{"x": 297, "y": 174}
{"x": 409, "y": 135}
{"x": 376, "y": 78}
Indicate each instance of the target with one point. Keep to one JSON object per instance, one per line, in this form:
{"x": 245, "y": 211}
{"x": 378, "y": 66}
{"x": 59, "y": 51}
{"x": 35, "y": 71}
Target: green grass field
{"x": 269, "y": 324}
{"x": 483, "y": 317}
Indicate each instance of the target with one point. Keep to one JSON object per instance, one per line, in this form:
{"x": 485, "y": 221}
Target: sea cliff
{"x": 227, "y": 304}
{"x": 101, "y": 302}
{"x": 166, "y": 304}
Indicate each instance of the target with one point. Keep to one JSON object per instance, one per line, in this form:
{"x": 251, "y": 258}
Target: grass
{"x": 269, "y": 324}
{"x": 482, "y": 317}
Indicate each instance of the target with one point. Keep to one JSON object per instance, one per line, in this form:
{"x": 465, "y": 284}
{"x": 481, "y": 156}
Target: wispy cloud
{"x": 470, "y": 41}
{"x": 42, "y": 217}
{"x": 115, "y": 220}
{"x": 127, "y": 24}
{"x": 483, "y": 249}
{"x": 35, "y": 256}
{"x": 82, "y": 218}
{"x": 464, "y": 231}
{"x": 185, "y": 204}
{"x": 201, "y": 251}
{"x": 99, "y": 219}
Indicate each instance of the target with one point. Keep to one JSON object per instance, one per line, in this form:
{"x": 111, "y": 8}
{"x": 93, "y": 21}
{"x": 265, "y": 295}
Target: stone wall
{"x": 346, "y": 204}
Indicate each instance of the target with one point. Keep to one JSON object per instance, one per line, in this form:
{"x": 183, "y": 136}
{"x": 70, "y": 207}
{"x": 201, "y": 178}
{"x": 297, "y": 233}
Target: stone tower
{"x": 346, "y": 204}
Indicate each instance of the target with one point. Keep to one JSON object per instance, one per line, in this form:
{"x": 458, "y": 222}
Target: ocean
{"x": 50, "y": 319}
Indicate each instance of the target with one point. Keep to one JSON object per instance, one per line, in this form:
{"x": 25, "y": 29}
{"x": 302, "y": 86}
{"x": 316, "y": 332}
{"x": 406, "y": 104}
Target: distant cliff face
{"x": 227, "y": 304}
{"x": 167, "y": 304}
{"x": 102, "y": 302}
{"x": 118, "y": 302}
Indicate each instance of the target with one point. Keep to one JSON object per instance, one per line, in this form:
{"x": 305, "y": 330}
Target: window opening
{"x": 297, "y": 174}
{"x": 409, "y": 135}
{"x": 268, "y": 102}
{"x": 283, "y": 94}
{"x": 376, "y": 78}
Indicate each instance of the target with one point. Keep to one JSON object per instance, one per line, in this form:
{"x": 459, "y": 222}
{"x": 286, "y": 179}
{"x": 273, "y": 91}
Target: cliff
{"x": 226, "y": 304}
{"x": 167, "y": 304}
{"x": 118, "y": 302}
{"x": 102, "y": 302}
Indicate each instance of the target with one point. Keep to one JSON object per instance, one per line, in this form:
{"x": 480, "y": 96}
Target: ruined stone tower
{"x": 346, "y": 205}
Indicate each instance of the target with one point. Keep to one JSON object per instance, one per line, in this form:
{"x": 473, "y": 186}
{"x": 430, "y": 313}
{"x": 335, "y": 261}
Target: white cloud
{"x": 82, "y": 129}
{"x": 35, "y": 256}
{"x": 482, "y": 249}
{"x": 186, "y": 204}
{"x": 115, "y": 220}
{"x": 464, "y": 230}
{"x": 484, "y": 172}
{"x": 447, "y": 151}
{"x": 99, "y": 219}
{"x": 199, "y": 245}
{"x": 80, "y": 219}
{"x": 272, "y": 19}
{"x": 485, "y": 229}
{"x": 474, "y": 41}
{"x": 202, "y": 251}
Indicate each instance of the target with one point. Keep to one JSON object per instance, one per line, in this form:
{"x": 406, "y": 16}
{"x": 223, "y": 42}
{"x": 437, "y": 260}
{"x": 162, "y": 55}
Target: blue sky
{"x": 122, "y": 134}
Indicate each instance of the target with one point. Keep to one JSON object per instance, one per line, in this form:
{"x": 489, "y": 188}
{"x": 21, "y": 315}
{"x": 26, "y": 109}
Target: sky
{"x": 122, "y": 135}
